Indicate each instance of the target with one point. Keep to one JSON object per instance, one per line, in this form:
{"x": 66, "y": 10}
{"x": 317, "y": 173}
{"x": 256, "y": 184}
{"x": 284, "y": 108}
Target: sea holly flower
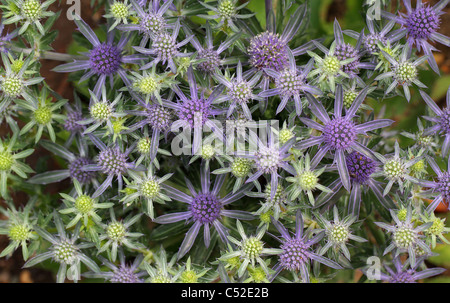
{"x": 13, "y": 83}
{"x": 30, "y": 12}
{"x": 269, "y": 159}
{"x": 240, "y": 168}
{"x": 161, "y": 272}
{"x": 441, "y": 121}
{"x": 117, "y": 234}
{"x": 19, "y": 229}
{"x": 290, "y": 83}
{"x": 396, "y": 168}
{"x": 362, "y": 171}
{"x": 205, "y": 208}
{"x": 440, "y": 187}
{"x": 190, "y": 274}
{"x": 104, "y": 60}
{"x": 227, "y": 12}
{"x": 120, "y": 273}
{"x": 74, "y": 168}
{"x": 196, "y": 111}
{"x": 120, "y": 12}
{"x": 437, "y": 230}
{"x": 149, "y": 23}
{"x": 298, "y": 250}
{"x": 329, "y": 68}
{"x": 345, "y": 51}
{"x": 42, "y": 113}
{"x": 403, "y": 72}
{"x": 112, "y": 161}
{"x": 165, "y": 48}
{"x": 239, "y": 91}
{"x": 270, "y": 206}
{"x": 65, "y": 251}
{"x": 148, "y": 85}
{"x": 270, "y": 49}
{"x": 250, "y": 250}
{"x": 82, "y": 206}
{"x": 338, "y": 233}
{"x": 149, "y": 188}
{"x": 101, "y": 111}
{"x": 6, "y": 38}
{"x": 421, "y": 25}
{"x": 306, "y": 180}
{"x": 406, "y": 237}
{"x": 10, "y": 161}
{"x": 210, "y": 57}
{"x": 407, "y": 273}
{"x": 340, "y": 133}
{"x": 423, "y": 140}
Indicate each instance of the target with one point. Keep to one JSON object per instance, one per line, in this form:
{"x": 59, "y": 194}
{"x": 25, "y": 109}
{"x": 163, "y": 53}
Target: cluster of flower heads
{"x": 162, "y": 90}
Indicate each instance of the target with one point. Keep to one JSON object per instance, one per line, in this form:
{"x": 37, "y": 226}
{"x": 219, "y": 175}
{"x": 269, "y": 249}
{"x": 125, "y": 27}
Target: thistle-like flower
{"x": 29, "y": 12}
{"x": 250, "y": 250}
{"x": 19, "y": 229}
{"x": 298, "y": 251}
{"x": 403, "y": 72}
{"x": 338, "y": 233}
{"x": 406, "y": 237}
{"x": 149, "y": 188}
{"x": 120, "y": 273}
{"x": 82, "y": 206}
{"x": 227, "y": 12}
{"x": 65, "y": 251}
{"x": 165, "y": 48}
{"x": 120, "y": 12}
{"x": 149, "y": 23}
{"x": 104, "y": 60}
{"x": 10, "y": 161}
{"x": 407, "y": 273}
{"x": 291, "y": 83}
{"x": 421, "y": 25}
{"x": 439, "y": 188}
{"x": 117, "y": 234}
{"x": 340, "y": 133}
{"x": 205, "y": 208}
{"x": 43, "y": 114}
{"x": 209, "y": 56}
{"x": 239, "y": 91}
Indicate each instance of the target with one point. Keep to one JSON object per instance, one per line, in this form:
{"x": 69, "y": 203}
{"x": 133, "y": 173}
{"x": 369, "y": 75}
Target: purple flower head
{"x": 269, "y": 159}
{"x": 239, "y": 91}
{"x": 151, "y": 22}
{"x": 404, "y": 273}
{"x": 270, "y": 49}
{"x": 442, "y": 121}
{"x": 71, "y": 123}
{"x": 421, "y": 25}
{"x": 112, "y": 162}
{"x": 205, "y": 208}
{"x": 210, "y": 56}
{"x": 122, "y": 272}
{"x": 298, "y": 250}
{"x": 76, "y": 171}
{"x": 440, "y": 187}
{"x": 103, "y": 60}
{"x": 362, "y": 172}
{"x": 339, "y": 133}
{"x": 360, "y": 167}
{"x": 406, "y": 236}
{"x": 290, "y": 83}
{"x": 4, "y": 39}
{"x": 165, "y": 48}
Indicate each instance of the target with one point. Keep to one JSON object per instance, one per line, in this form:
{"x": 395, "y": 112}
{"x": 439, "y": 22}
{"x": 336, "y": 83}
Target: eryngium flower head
{"x": 298, "y": 251}
{"x": 268, "y": 50}
{"x": 360, "y": 167}
{"x": 205, "y": 208}
{"x": 76, "y": 170}
{"x": 421, "y": 26}
{"x": 112, "y": 161}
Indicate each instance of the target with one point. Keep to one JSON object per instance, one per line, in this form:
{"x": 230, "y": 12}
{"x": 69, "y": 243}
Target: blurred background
{"x": 323, "y": 14}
